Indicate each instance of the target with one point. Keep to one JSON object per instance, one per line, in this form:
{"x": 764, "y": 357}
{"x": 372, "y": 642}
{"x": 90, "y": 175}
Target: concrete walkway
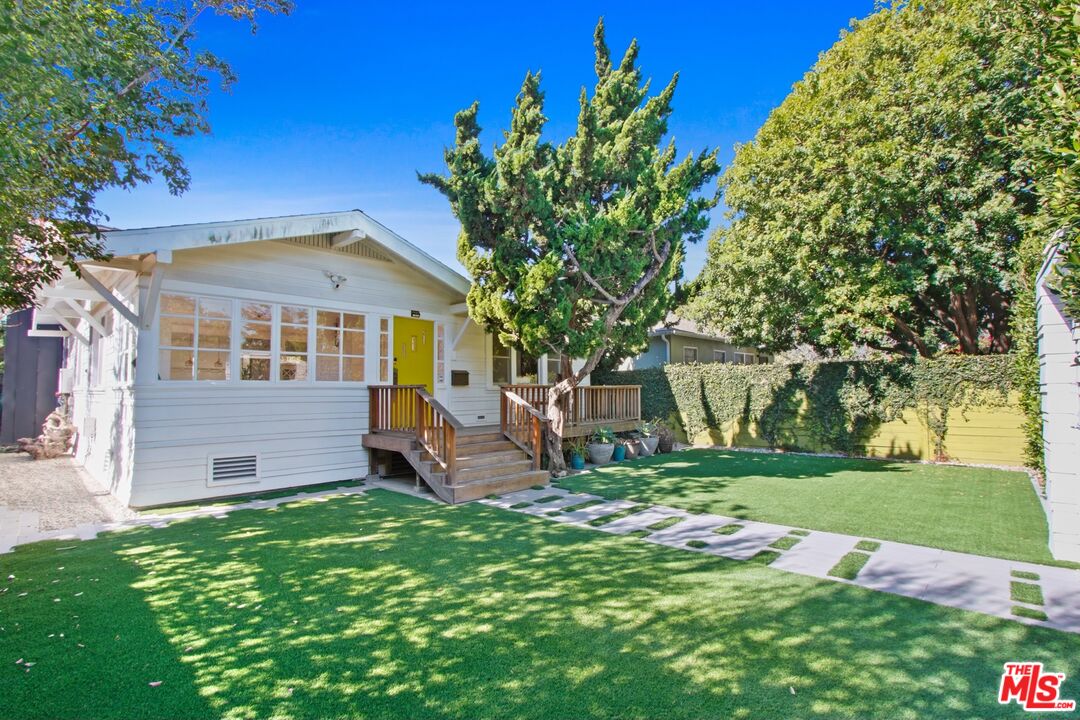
{"x": 969, "y": 582}
{"x": 13, "y": 534}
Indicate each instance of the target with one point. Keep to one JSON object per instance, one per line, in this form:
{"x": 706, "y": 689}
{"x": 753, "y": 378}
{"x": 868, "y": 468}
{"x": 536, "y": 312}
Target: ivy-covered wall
{"x": 960, "y": 408}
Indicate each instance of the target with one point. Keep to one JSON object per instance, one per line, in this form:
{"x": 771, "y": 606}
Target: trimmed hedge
{"x": 837, "y": 405}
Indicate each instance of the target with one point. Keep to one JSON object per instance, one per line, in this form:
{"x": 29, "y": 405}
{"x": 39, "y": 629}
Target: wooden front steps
{"x": 462, "y": 463}
{"x": 486, "y": 464}
{"x": 484, "y": 467}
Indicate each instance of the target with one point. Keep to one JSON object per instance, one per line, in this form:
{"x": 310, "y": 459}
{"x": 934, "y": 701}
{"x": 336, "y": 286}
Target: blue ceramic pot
{"x": 577, "y": 462}
{"x": 620, "y": 453}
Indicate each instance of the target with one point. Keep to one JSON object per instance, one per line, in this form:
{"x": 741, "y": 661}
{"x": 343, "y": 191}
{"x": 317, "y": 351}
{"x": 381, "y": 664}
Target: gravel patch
{"x": 56, "y": 489}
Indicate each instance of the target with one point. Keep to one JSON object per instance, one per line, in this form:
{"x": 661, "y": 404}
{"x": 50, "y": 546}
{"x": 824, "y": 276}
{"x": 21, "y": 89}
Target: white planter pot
{"x": 600, "y": 453}
{"x": 650, "y": 444}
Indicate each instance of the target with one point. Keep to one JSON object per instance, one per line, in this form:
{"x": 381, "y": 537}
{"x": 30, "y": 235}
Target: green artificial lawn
{"x": 1026, "y": 593}
{"x": 868, "y": 545}
{"x": 1030, "y": 613}
{"x": 974, "y": 510}
{"x": 237, "y": 499}
{"x": 849, "y": 565}
{"x": 785, "y": 543}
{"x": 665, "y": 523}
{"x": 384, "y": 605}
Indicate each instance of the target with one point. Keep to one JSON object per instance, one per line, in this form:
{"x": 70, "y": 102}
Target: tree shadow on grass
{"x": 389, "y": 606}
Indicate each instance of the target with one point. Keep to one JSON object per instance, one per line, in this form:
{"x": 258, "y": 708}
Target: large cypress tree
{"x": 573, "y": 248}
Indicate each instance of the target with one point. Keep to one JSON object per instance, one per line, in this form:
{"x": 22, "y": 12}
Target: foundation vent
{"x": 232, "y": 469}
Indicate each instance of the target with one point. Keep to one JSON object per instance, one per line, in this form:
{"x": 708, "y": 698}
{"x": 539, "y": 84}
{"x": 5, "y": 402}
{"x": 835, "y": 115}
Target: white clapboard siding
{"x": 302, "y": 435}
{"x": 1059, "y": 384}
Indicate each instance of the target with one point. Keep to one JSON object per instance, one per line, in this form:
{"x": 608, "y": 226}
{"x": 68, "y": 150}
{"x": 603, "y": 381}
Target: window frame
{"x": 689, "y": 347}
{"x": 721, "y": 353}
{"x": 371, "y": 319}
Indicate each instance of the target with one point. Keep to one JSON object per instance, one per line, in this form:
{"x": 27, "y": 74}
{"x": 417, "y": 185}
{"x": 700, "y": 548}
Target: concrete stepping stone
{"x": 593, "y": 512}
{"x": 1061, "y": 593}
{"x": 748, "y": 542}
{"x": 563, "y": 502}
{"x": 899, "y": 569}
{"x": 694, "y": 527}
{"x": 641, "y": 520}
{"x": 520, "y": 496}
{"x": 816, "y": 554}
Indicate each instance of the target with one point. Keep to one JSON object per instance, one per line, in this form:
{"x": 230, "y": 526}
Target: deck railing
{"x": 392, "y": 407}
{"x": 410, "y": 408}
{"x": 436, "y": 429}
{"x": 523, "y": 424}
{"x": 590, "y": 404}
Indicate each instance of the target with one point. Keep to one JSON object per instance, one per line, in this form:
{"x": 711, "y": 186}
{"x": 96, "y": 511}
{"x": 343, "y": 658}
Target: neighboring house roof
{"x": 347, "y": 227}
{"x": 681, "y": 326}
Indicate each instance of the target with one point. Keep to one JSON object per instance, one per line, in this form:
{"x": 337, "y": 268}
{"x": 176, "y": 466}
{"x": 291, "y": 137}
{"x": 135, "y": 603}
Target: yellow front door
{"x": 414, "y": 352}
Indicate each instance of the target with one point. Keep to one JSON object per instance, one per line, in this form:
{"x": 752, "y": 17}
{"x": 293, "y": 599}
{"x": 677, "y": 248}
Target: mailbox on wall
{"x": 459, "y": 378}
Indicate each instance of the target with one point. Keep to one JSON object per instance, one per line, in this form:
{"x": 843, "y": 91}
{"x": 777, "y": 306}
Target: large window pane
{"x": 255, "y": 336}
{"x": 500, "y": 362}
{"x": 294, "y": 367}
{"x": 527, "y": 368}
{"x": 212, "y": 365}
{"x": 554, "y": 367}
{"x": 294, "y": 339}
{"x": 177, "y": 332}
{"x": 215, "y": 308}
{"x": 353, "y": 343}
{"x": 328, "y": 318}
{"x": 294, "y": 315}
{"x": 256, "y": 311}
{"x": 177, "y": 304}
{"x": 328, "y": 367}
{"x": 353, "y": 322}
{"x": 176, "y": 365}
{"x": 255, "y": 367}
{"x": 327, "y": 341}
{"x": 214, "y": 333}
{"x": 353, "y": 369}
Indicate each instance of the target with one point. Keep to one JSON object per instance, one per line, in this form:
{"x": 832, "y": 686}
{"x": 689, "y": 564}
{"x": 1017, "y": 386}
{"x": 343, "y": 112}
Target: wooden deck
{"x": 462, "y": 463}
{"x": 591, "y": 407}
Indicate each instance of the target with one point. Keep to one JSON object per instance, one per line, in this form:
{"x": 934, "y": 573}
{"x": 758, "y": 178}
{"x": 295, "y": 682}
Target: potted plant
{"x": 577, "y": 453}
{"x": 649, "y": 439}
{"x": 620, "y": 450}
{"x": 602, "y": 446}
{"x": 630, "y": 446}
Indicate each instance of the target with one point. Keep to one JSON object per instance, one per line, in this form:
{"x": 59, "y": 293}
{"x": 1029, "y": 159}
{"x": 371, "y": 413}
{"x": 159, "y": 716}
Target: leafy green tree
{"x": 573, "y": 247}
{"x": 92, "y": 95}
{"x": 1052, "y": 139}
{"x": 882, "y": 202}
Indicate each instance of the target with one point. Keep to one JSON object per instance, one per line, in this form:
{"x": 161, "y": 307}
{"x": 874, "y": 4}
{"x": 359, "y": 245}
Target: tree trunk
{"x": 559, "y": 396}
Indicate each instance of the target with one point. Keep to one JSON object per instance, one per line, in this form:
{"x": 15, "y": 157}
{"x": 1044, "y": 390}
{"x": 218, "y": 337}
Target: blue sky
{"x": 340, "y": 104}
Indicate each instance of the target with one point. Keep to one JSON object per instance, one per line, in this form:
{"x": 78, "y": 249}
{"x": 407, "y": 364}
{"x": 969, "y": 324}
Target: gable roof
{"x": 674, "y": 325}
{"x": 349, "y": 225}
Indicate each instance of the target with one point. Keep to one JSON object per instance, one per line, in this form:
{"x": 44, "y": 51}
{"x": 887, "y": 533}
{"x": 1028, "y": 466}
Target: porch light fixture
{"x": 335, "y": 279}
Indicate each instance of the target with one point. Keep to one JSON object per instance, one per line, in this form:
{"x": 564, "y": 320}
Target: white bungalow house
{"x": 235, "y": 357}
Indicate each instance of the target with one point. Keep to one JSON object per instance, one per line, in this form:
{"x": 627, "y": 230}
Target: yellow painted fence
{"x": 990, "y": 435}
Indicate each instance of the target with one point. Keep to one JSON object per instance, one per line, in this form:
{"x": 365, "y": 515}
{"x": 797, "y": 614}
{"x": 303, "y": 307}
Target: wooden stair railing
{"x": 412, "y": 409}
{"x": 392, "y": 407}
{"x": 522, "y": 424}
{"x": 436, "y": 431}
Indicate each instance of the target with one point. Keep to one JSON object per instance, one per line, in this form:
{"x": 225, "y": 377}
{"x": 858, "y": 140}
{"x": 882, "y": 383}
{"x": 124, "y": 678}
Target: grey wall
{"x": 30, "y": 376}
